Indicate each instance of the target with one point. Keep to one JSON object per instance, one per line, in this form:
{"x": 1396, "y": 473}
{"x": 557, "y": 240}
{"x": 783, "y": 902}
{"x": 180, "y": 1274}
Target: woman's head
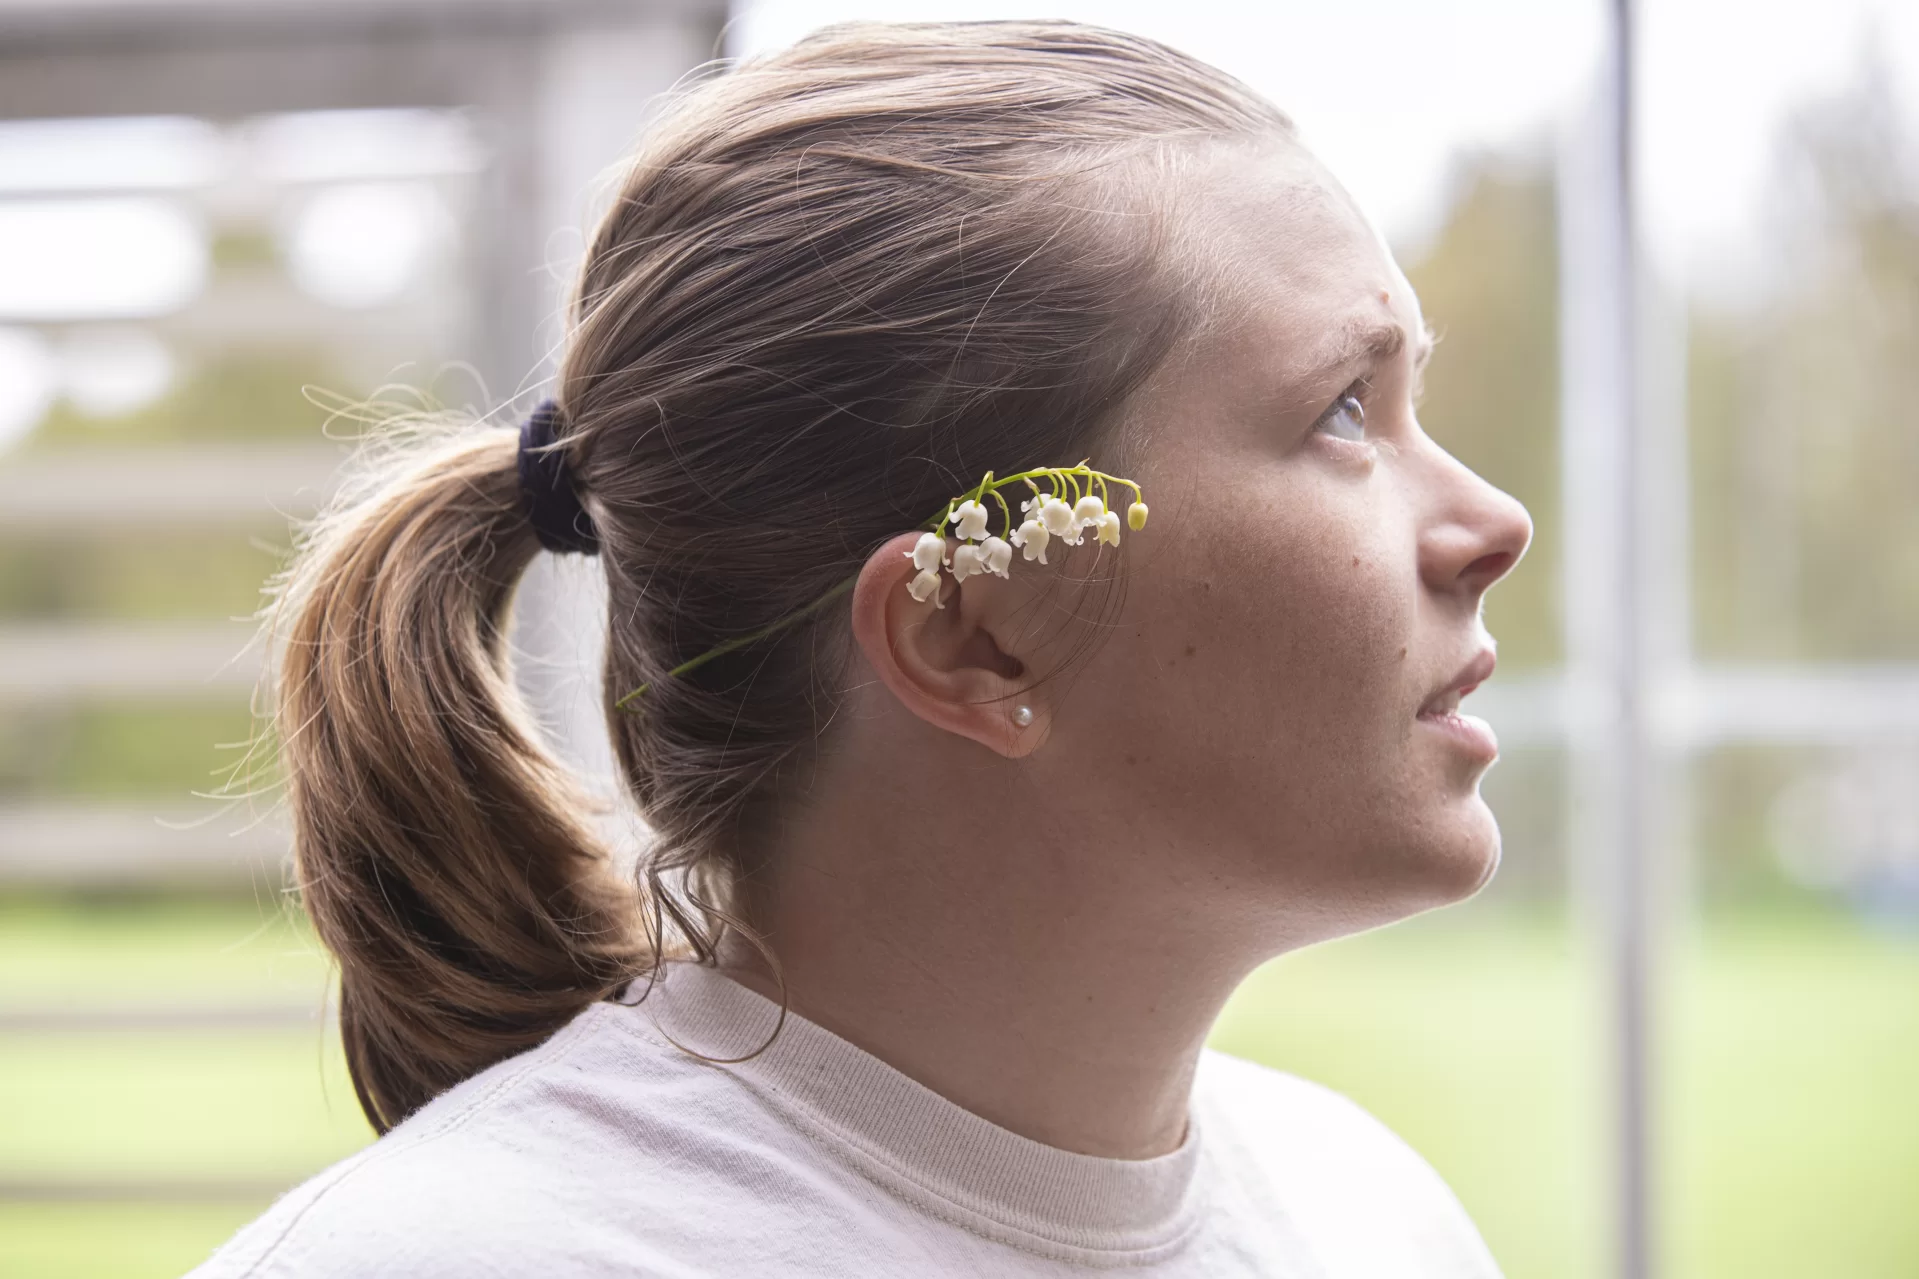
{"x": 1241, "y": 757}
{"x": 833, "y": 289}
{"x": 1313, "y": 582}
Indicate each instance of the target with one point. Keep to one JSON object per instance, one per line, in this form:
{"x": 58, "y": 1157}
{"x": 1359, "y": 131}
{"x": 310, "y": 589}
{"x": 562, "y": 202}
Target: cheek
{"x": 1307, "y": 612}
{"x": 1275, "y": 633}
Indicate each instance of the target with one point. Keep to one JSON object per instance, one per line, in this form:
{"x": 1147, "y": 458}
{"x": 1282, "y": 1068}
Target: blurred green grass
{"x": 1788, "y": 1127}
{"x": 1790, "y": 1137}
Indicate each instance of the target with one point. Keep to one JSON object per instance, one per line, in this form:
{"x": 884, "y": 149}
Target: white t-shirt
{"x": 608, "y": 1151}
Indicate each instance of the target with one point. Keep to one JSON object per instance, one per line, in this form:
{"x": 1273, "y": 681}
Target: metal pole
{"x": 1612, "y": 583}
{"x": 1631, "y": 908}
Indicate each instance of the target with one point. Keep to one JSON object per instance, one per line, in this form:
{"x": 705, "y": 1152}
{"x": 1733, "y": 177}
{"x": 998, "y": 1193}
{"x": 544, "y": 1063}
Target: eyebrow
{"x": 1366, "y": 341}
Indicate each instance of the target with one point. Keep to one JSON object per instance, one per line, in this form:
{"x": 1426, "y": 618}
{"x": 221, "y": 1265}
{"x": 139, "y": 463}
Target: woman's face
{"x": 1306, "y": 585}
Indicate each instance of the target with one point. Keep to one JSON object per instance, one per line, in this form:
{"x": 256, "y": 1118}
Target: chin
{"x": 1446, "y": 863}
{"x": 1470, "y": 860}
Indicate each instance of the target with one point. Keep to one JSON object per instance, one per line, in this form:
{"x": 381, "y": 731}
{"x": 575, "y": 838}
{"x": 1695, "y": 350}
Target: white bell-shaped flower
{"x": 1032, "y": 537}
{"x": 929, "y": 552}
{"x": 968, "y": 559}
{"x": 997, "y": 553}
{"x": 1107, "y": 526}
{"x": 926, "y": 586}
{"x": 1087, "y": 510}
{"x": 1056, "y": 516}
{"x": 971, "y": 518}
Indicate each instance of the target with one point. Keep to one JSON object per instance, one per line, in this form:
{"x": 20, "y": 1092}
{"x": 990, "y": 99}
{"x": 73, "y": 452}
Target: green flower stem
{"x": 741, "y": 642}
{"x": 1059, "y": 478}
{"x": 1005, "y": 511}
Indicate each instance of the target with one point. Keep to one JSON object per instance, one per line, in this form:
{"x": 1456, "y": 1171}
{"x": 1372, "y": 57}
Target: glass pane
{"x": 1782, "y": 212}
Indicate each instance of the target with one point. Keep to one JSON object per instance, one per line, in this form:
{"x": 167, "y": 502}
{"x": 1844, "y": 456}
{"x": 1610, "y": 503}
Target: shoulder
{"x": 1364, "y": 1198}
{"x": 1273, "y": 1104}
{"x": 512, "y": 1154}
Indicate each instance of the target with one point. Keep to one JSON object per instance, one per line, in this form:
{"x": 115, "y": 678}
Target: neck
{"x": 1043, "y": 982}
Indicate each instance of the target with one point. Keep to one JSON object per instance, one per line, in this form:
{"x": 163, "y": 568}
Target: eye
{"x": 1345, "y": 414}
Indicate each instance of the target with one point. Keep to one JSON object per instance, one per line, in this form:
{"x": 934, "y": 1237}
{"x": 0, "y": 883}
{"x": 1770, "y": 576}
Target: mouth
{"x": 1469, "y": 732}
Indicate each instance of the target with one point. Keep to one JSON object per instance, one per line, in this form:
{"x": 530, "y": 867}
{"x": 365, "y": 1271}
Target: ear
{"x": 948, "y": 663}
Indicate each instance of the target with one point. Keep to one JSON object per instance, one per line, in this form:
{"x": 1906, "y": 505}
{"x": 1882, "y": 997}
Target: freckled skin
{"x": 1285, "y": 755}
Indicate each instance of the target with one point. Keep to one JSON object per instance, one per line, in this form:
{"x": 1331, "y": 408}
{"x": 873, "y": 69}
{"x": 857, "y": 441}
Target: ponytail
{"x": 440, "y": 849}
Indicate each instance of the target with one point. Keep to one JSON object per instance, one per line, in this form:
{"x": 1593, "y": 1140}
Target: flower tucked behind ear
{"x": 1046, "y": 513}
{"x": 1047, "y": 517}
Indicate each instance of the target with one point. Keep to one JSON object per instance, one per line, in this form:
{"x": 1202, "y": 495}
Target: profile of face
{"x": 1246, "y": 734}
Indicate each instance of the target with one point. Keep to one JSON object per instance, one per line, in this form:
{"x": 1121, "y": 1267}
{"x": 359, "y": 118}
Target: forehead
{"x": 1288, "y": 266}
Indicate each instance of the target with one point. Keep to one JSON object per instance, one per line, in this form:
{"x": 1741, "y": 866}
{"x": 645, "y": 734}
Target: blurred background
{"x": 1678, "y": 1035}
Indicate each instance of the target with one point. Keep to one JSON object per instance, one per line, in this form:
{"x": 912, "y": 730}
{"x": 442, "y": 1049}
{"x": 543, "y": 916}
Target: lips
{"x": 1469, "y": 732}
{"x": 1471, "y": 676}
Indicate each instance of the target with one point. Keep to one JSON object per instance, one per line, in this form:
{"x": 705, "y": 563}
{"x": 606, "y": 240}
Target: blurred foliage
{"x": 79, "y": 945}
{"x": 251, "y": 394}
{"x": 1489, "y": 286}
{"x": 1733, "y": 788}
{"x": 1805, "y": 410}
{"x": 100, "y": 751}
{"x": 244, "y": 248}
{"x": 161, "y": 575}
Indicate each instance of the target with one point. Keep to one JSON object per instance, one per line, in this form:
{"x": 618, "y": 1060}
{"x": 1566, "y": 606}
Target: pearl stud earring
{"x": 1023, "y": 716}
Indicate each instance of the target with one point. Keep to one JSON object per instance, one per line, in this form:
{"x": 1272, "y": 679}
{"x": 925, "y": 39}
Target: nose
{"x": 1473, "y": 533}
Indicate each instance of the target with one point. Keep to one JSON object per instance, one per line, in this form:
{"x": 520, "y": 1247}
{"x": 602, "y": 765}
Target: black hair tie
{"x": 546, "y": 487}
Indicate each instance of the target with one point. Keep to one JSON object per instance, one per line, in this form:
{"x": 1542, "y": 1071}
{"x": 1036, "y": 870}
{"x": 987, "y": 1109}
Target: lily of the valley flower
{"x": 1056, "y": 516}
{"x": 1085, "y": 513}
{"x": 1065, "y": 502}
{"x": 928, "y": 553}
{"x": 926, "y": 585}
{"x": 1032, "y": 537}
{"x": 967, "y": 560}
{"x": 971, "y": 518}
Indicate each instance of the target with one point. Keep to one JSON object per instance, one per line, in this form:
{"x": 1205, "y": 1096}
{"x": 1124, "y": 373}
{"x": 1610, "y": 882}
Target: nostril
{"x": 1491, "y": 566}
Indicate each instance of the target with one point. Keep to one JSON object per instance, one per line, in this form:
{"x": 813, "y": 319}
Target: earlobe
{"x": 940, "y": 657}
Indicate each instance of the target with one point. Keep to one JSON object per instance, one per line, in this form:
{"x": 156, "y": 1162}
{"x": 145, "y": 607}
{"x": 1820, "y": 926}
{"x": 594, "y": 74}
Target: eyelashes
{"x": 1347, "y": 412}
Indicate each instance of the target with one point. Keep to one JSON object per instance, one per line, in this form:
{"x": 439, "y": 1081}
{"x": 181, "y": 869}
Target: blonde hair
{"x": 835, "y": 286}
